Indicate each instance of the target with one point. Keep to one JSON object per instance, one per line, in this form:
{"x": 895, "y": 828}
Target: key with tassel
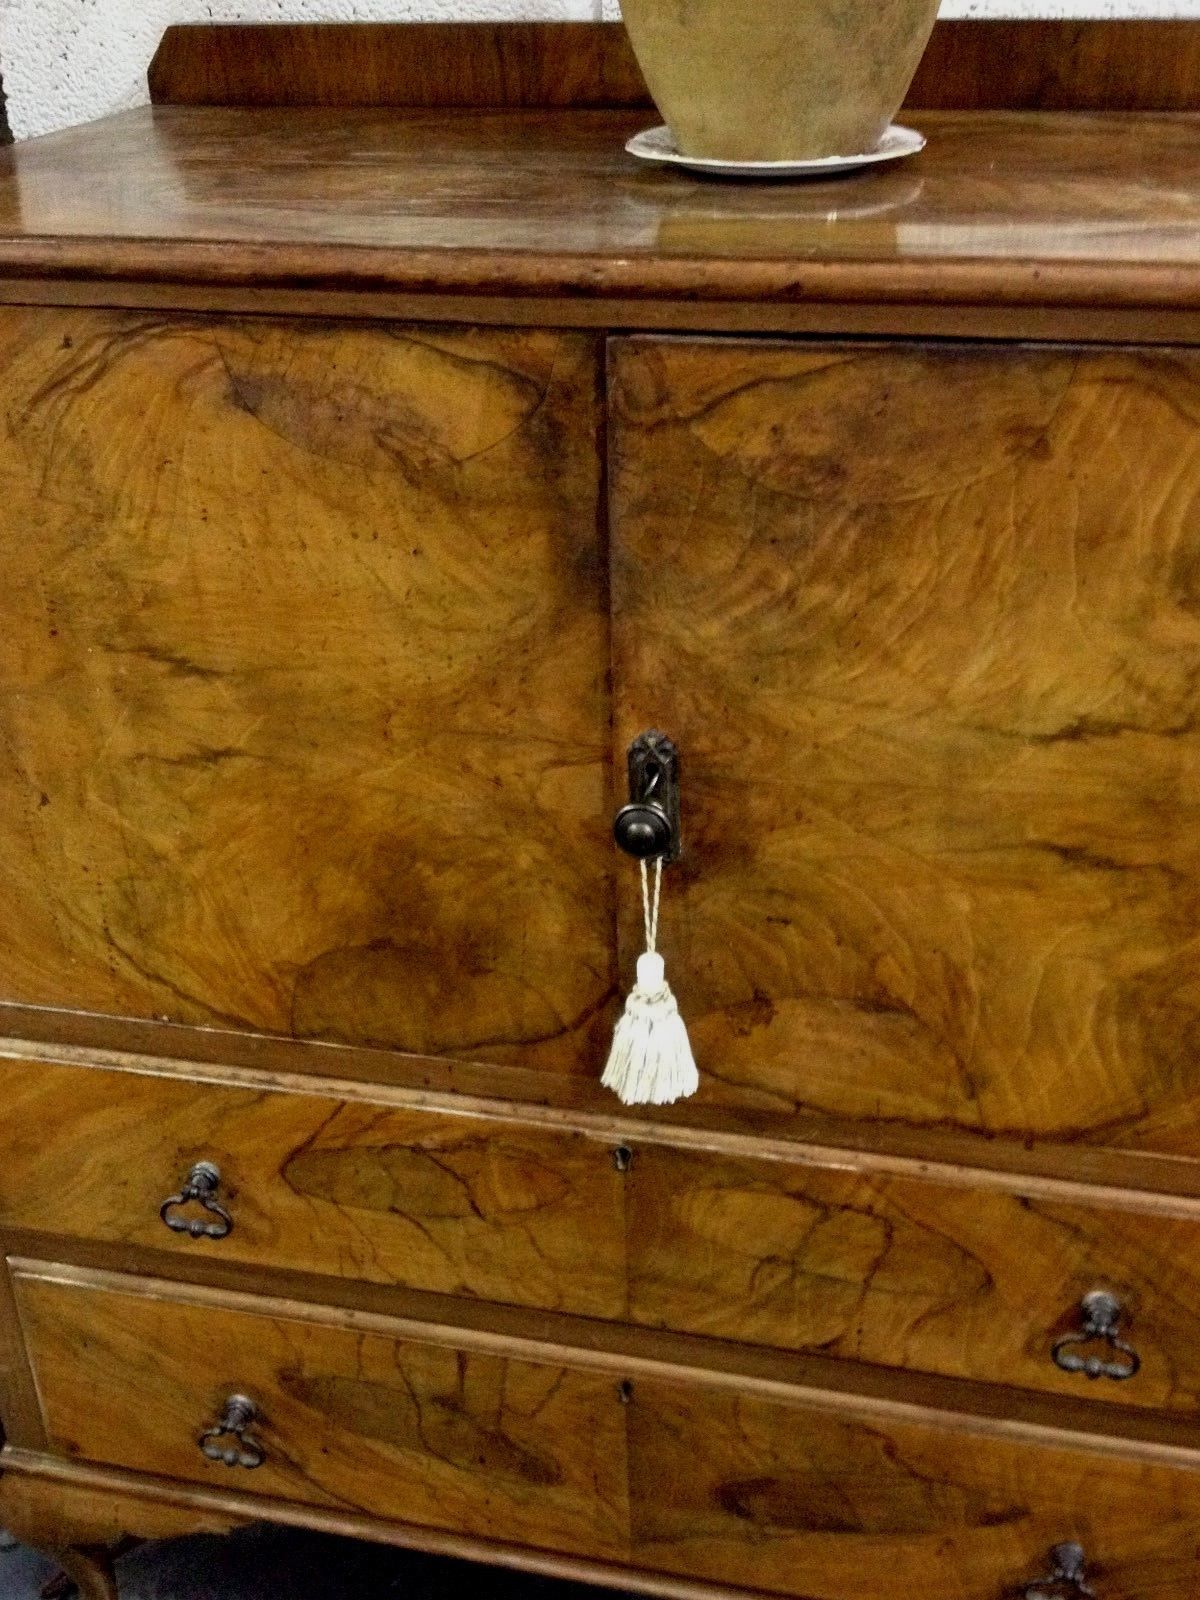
{"x": 651, "y": 1061}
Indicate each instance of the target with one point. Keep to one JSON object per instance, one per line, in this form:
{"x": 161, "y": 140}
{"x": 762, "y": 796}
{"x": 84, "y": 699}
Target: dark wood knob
{"x": 643, "y": 830}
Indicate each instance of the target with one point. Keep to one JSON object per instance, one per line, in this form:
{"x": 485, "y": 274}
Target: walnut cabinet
{"x": 354, "y": 518}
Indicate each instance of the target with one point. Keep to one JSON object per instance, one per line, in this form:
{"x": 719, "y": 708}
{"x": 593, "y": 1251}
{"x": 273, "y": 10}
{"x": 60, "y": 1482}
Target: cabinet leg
{"x": 89, "y": 1569}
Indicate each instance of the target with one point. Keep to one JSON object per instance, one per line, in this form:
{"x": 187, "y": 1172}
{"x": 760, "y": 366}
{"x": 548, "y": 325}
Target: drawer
{"x": 728, "y": 1478}
{"x": 970, "y": 1275}
{"x": 451, "y": 1204}
{"x": 973, "y": 1275}
{"x": 411, "y": 1429}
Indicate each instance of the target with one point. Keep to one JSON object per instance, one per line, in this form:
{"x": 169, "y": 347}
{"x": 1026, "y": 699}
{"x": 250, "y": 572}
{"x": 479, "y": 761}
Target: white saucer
{"x": 658, "y": 145}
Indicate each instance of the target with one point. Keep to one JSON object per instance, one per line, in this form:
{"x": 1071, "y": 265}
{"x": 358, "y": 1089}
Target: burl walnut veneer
{"x": 370, "y": 477}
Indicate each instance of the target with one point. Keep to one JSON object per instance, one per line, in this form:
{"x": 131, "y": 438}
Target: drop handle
{"x": 1099, "y": 1323}
{"x": 200, "y": 1188}
{"x": 229, "y": 1441}
{"x": 647, "y": 828}
{"x": 1067, "y": 1578}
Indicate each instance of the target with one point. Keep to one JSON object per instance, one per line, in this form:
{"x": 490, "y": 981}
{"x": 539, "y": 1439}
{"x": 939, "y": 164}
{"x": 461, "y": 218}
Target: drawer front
{"x": 974, "y": 1278}
{"x": 836, "y": 1506}
{"x": 934, "y": 686}
{"x": 303, "y": 708}
{"x": 979, "y": 1282}
{"x": 727, "y": 1480}
{"x": 453, "y": 1204}
{"x": 426, "y": 1432}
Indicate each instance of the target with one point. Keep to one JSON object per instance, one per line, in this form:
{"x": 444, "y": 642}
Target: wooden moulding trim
{"x": 450, "y": 1086}
{"x": 241, "y": 1508}
{"x": 927, "y": 281}
{"x": 613, "y": 1129}
{"x": 1124, "y": 64}
{"x": 23, "y": 1421}
{"x": 611, "y": 1346}
{"x": 1078, "y": 324}
{"x": 632, "y": 1363}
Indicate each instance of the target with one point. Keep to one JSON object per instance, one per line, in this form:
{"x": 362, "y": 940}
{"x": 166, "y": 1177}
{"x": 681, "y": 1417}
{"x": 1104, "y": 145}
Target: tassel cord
{"x": 651, "y": 900}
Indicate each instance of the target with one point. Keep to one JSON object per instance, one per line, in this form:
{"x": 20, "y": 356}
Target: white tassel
{"x": 651, "y": 1062}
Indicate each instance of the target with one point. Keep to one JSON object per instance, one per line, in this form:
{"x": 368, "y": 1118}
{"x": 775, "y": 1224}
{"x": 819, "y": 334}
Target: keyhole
{"x": 622, "y": 1158}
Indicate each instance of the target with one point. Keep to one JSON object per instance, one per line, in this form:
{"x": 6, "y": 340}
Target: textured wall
{"x": 67, "y": 61}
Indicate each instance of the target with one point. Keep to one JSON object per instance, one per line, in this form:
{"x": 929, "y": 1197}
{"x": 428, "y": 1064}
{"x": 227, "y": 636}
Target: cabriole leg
{"x": 88, "y": 1571}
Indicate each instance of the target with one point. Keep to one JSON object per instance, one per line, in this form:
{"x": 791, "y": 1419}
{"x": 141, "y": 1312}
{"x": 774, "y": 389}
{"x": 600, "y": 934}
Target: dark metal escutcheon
{"x": 1067, "y": 1579}
{"x": 648, "y": 827}
{"x": 244, "y": 1450}
{"x": 1099, "y": 1319}
{"x": 199, "y": 1189}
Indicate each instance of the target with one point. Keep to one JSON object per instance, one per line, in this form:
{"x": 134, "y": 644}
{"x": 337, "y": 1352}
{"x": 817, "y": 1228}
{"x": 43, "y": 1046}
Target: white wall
{"x": 67, "y": 61}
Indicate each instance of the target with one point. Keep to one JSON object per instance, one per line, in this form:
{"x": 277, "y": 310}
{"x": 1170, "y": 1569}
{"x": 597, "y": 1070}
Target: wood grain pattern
{"x": 935, "y": 688}
{"x": 352, "y": 1420}
{"x": 1163, "y": 325}
{"x": 908, "y": 1275}
{"x": 302, "y": 688}
{"x": 1080, "y": 64}
{"x": 754, "y": 1486}
{"x": 1039, "y": 211}
{"x": 41, "y": 1496}
{"x": 42, "y": 1493}
{"x": 956, "y": 1278}
{"x": 737, "y": 1127}
{"x": 838, "y": 1507}
{"x": 40, "y": 1512}
{"x": 457, "y": 1205}
{"x": 1088, "y": 64}
{"x": 513, "y": 64}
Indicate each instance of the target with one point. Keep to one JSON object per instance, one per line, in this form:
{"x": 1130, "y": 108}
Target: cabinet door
{"x": 925, "y": 623}
{"x": 303, "y": 717}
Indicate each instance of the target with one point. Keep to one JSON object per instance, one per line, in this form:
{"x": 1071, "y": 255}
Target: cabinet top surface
{"x": 1007, "y": 207}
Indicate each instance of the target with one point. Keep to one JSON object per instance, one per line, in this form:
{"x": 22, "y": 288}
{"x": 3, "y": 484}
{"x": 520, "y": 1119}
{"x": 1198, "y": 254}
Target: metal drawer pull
{"x": 244, "y": 1451}
{"x": 1066, "y": 1580}
{"x": 1099, "y": 1318}
{"x": 201, "y": 1189}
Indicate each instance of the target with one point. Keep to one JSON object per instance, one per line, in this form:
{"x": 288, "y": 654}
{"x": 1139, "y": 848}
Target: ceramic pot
{"x": 778, "y": 80}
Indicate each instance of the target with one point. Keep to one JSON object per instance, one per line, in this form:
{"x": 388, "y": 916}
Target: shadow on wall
{"x": 5, "y": 133}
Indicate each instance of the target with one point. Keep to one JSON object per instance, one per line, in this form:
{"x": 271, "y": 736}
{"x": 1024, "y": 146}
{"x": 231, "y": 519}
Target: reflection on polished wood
{"x": 1004, "y": 208}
